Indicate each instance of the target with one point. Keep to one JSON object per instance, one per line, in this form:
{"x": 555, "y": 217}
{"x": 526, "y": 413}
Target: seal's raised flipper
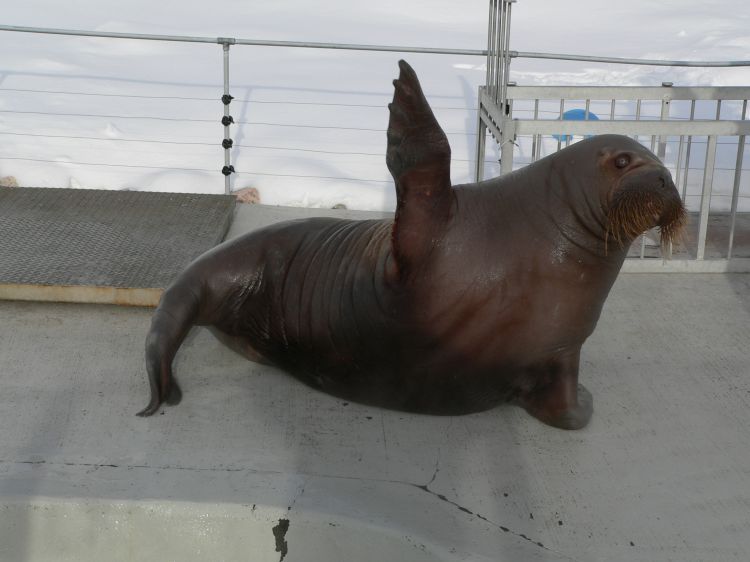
{"x": 171, "y": 322}
{"x": 418, "y": 158}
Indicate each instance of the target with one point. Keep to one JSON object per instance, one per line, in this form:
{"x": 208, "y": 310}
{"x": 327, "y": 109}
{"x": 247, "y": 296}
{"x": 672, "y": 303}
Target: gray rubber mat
{"x": 105, "y": 238}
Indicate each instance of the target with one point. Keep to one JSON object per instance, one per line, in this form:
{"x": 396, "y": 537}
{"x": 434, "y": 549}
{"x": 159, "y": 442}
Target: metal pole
{"x": 386, "y": 48}
{"x": 678, "y": 165}
{"x": 506, "y": 55}
{"x": 708, "y": 177}
{"x": 481, "y": 139}
{"x": 481, "y": 127}
{"x": 507, "y": 144}
{"x": 497, "y": 78}
{"x": 251, "y": 42}
{"x": 736, "y": 187}
{"x": 535, "y": 138}
{"x": 637, "y": 114}
{"x": 227, "y": 121}
{"x": 662, "y": 152}
{"x": 491, "y": 47}
{"x": 622, "y": 60}
{"x": 687, "y": 155}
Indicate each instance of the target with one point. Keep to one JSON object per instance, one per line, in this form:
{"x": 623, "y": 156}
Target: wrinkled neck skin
{"x": 566, "y": 212}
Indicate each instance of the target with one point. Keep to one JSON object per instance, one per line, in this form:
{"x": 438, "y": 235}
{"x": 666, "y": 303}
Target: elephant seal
{"x": 473, "y": 295}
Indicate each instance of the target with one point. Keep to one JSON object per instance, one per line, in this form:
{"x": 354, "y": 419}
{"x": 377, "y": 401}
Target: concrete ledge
{"x": 73, "y": 245}
{"x": 81, "y": 294}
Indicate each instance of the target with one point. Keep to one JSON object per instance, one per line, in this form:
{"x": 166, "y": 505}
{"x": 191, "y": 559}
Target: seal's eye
{"x": 622, "y": 161}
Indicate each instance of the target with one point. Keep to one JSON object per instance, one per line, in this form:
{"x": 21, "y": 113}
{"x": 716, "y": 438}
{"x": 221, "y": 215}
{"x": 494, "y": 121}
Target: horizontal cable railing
{"x": 228, "y": 144}
{"x": 374, "y": 48}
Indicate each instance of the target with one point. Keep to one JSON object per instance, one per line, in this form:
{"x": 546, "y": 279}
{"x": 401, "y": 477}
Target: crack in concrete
{"x": 436, "y": 470}
{"x": 297, "y": 496}
{"x": 425, "y": 488}
{"x": 385, "y": 441}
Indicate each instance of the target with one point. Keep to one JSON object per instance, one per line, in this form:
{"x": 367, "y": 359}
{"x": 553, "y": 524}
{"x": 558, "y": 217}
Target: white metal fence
{"x": 699, "y": 133}
{"x": 226, "y": 119}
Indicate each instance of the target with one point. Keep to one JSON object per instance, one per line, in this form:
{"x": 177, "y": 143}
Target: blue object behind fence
{"x": 575, "y": 115}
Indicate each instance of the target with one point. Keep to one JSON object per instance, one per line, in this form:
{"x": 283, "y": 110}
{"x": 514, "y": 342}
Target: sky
{"x": 120, "y": 114}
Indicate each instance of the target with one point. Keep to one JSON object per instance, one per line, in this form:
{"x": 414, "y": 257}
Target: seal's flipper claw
{"x": 149, "y": 410}
{"x": 418, "y": 156}
{"x": 575, "y": 416}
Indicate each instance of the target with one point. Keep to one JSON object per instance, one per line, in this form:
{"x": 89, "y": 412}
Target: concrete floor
{"x": 253, "y": 465}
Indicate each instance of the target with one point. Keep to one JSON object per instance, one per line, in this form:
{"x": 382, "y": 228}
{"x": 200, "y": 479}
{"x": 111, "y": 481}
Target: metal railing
{"x": 498, "y": 59}
{"x": 685, "y": 124}
{"x": 226, "y": 42}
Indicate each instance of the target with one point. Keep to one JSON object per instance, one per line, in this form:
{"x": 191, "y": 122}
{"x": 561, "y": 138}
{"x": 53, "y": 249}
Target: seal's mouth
{"x": 644, "y": 200}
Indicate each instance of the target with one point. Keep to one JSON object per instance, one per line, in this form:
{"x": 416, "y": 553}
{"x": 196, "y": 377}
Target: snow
{"x": 310, "y": 122}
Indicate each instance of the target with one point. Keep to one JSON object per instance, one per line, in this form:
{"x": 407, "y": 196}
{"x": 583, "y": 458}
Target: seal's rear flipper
{"x": 171, "y": 322}
{"x": 418, "y": 157}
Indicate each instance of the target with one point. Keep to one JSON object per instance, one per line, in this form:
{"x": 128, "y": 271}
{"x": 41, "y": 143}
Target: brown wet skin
{"x": 474, "y": 295}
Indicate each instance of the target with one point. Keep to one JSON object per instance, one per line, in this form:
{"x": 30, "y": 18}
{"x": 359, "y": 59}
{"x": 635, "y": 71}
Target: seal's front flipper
{"x": 559, "y": 400}
{"x": 418, "y": 157}
{"x": 170, "y": 324}
{"x": 415, "y": 140}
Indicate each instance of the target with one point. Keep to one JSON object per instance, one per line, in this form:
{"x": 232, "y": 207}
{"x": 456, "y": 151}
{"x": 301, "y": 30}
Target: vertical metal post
{"x": 489, "y": 79}
{"x": 708, "y": 177}
{"x": 535, "y": 139}
{"x": 507, "y": 131}
{"x": 678, "y": 165}
{"x": 227, "y": 121}
{"x": 497, "y": 76}
{"x": 687, "y": 155}
{"x": 491, "y": 48}
{"x": 507, "y": 4}
{"x": 736, "y": 187}
{"x": 481, "y": 138}
{"x": 665, "y": 100}
{"x": 508, "y": 137}
{"x": 560, "y": 136}
{"x": 637, "y": 114}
